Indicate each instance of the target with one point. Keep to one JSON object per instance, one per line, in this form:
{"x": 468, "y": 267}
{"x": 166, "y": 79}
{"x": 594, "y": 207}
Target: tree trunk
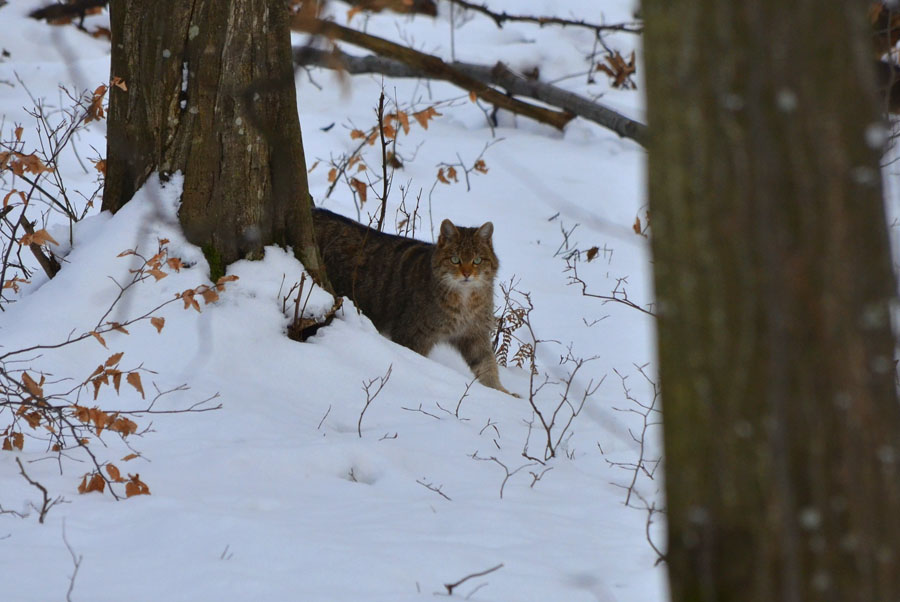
{"x": 774, "y": 284}
{"x": 210, "y": 93}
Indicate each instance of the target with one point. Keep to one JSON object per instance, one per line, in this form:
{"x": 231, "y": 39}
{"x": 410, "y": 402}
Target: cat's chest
{"x": 465, "y": 311}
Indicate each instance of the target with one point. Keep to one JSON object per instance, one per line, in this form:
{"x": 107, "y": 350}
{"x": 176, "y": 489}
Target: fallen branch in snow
{"x": 505, "y": 468}
{"x": 437, "y": 489}
{"x": 47, "y": 503}
{"x": 646, "y": 412}
{"x": 498, "y": 75}
{"x": 419, "y": 409}
{"x": 451, "y": 586}
{"x": 371, "y": 395}
{"x": 618, "y": 294}
{"x": 76, "y": 562}
{"x": 430, "y": 65}
{"x": 464, "y": 395}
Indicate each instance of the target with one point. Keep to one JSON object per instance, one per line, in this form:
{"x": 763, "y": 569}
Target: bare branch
{"x": 503, "y": 17}
{"x": 432, "y": 65}
{"x": 47, "y": 502}
{"x": 371, "y": 395}
{"x": 451, "y": 586}
{"x": 498, "y": 75}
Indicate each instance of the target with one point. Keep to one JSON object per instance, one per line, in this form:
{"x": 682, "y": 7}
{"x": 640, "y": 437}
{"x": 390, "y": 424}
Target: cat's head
{"x": 464, "y": 257}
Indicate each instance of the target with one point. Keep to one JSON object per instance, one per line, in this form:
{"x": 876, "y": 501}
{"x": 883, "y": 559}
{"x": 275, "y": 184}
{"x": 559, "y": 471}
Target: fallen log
{"x": 432, "y": 66}
{"x": 498, "y": 75}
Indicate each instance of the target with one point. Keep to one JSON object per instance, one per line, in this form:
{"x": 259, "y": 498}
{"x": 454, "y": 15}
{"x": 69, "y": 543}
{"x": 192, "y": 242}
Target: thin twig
{"x": 451, "y": 586}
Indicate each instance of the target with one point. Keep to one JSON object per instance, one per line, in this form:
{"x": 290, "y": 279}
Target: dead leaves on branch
{"x": 109, "y": 372}
{"x": 619, "y": 70}
{"x": 38, "y": 237}
{"x": 390, "y": 127}
{"x": 21, "y": 164}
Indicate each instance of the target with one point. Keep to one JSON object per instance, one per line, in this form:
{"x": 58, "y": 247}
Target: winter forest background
{"x": 696, "y": 194}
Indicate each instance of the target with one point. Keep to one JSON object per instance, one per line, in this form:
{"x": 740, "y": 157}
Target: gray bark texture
{"x": 211, "y": 94}
{"x": 774, "y": 285}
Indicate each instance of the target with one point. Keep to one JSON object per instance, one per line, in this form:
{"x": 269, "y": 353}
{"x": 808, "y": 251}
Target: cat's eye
{"x": 477, "y": 260}
{"x": 454, "y": 260}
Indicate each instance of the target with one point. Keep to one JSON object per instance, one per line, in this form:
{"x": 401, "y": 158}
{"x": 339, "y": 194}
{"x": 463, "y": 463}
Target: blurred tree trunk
{"x": 774, "y": 285}
{"x": 210, "y": 93}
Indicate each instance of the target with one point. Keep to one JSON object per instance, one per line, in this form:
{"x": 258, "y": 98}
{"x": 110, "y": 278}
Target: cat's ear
{"x": 448, "y": 231}
{"x": 485, "y": 231}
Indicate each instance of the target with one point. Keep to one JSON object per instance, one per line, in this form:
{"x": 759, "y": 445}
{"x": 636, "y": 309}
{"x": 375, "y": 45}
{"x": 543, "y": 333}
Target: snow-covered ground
{"x": 289, "y": 491}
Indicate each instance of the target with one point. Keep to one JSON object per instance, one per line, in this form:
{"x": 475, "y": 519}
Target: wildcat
{"x": 416, "y": 293}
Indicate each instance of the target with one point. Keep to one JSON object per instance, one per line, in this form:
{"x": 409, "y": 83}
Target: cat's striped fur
{"x": 416, "y": 293}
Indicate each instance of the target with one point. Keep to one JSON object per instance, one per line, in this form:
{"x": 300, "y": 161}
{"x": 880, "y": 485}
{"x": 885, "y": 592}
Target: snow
{"x": 276, "y": 495}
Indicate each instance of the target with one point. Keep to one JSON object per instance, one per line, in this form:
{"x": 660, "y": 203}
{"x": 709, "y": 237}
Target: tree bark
{"x": 210, "y": 93}
{"x": 774, "y": 284}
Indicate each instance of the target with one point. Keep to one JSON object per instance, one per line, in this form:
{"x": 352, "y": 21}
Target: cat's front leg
{"x": 477, "y": 352}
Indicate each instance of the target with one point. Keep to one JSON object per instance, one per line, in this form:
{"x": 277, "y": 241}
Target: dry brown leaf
{"x": 119, "y": 83}
{"x": 100, "y": 165}
{"x": 480, "y": 166}
{"x": 619, "y": 70}
{"x": 157, "y": 273}
{"x": 34, "y": 419}
{"x": 472, "y": 96}
{"x": 424, "y": 115}
{"x": 220, "y": 283}
{"x": 130, "y": 457}
{"x": 42, "y": 237}
{"x": 361, "y": 189}
{"x": 32, "y": 386}
{"x": 19, "y": 131}
{"x": 451, "y": 173}
{"x": 81, "y": 413}
{"x": 592, "y": 253}
{"x": 12, "y": 192}
{"x": 134, "y": 379}
{"x": 31, "y": 164}
{"x": 136, "y": 487}
{"x": 209, "y": 295}
{"x": 123, "y": 426}
{"x": 97, "y": 336}
{"x": 441, "y": 177}
{"x": 332, "y": 174}
{"x": 158, "y": 323}
{"x": 95, "y": 109}
{"x": 114, "y": 359}
{"x": 174, "y": 263}
{"x": 403, "y": 118}
{"x": 96, "y": 483}
{"x": 356, "y": 134}
{"x": 114, "y": 473}
{"x": 118, "y": 327}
